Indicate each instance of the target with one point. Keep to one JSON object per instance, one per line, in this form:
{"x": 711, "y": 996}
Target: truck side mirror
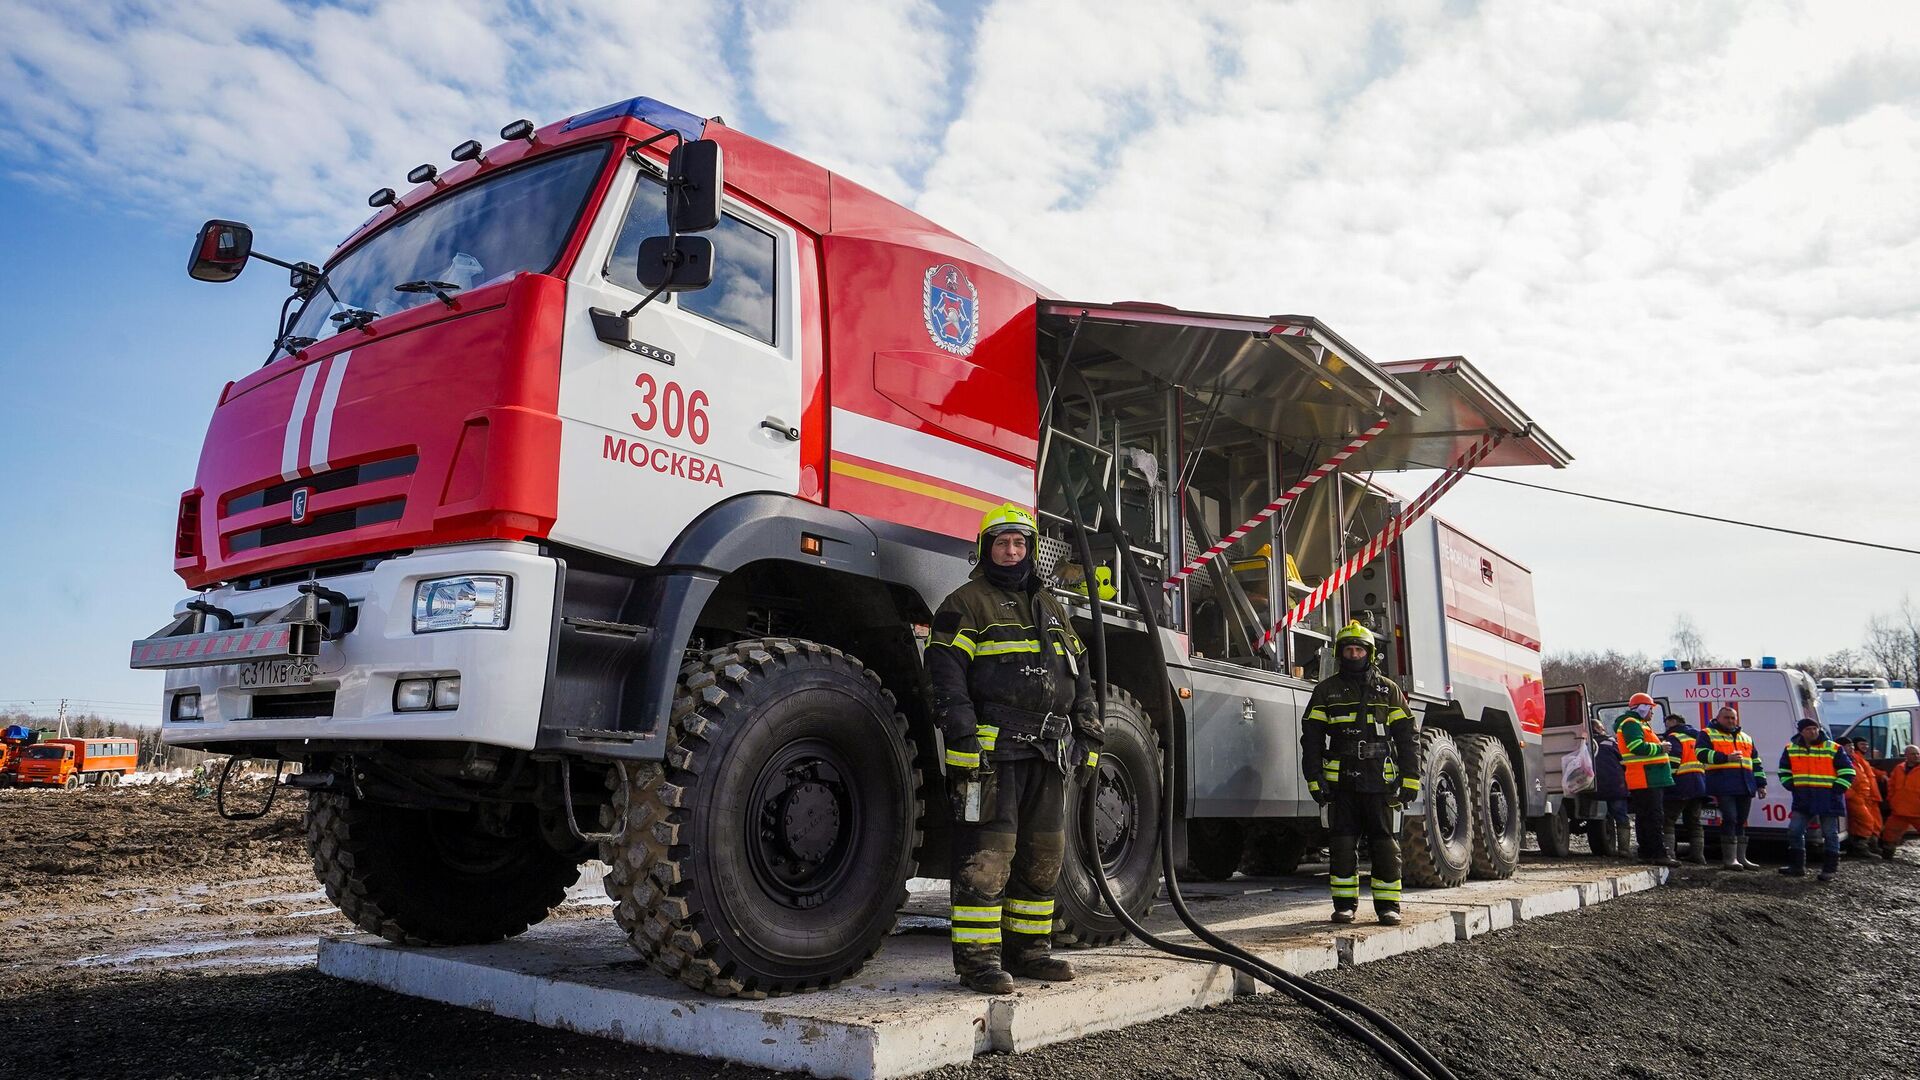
{"x": 675, "y": 263}
{"x": 220, "y": 251}
{"x": 694, "y": 182}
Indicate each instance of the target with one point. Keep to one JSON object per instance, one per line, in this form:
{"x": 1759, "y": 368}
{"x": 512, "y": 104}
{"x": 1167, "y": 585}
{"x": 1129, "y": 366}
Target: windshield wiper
{"x": 353, "y": 319}
{"x": 444, "y": 290}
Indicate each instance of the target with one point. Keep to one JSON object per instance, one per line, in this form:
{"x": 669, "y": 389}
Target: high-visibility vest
{"x": 1642, "y": 755}
{"x": 1732, "y": 750}
{"x": 1688, "y": 763}
{"x": 1810, "y": 768}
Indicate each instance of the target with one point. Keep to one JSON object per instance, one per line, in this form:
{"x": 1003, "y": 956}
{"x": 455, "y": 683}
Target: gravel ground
{"x": 189, "y": 939}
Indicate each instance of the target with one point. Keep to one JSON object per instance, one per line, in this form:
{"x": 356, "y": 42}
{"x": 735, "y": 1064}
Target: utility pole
{"x": 61, "y": 719}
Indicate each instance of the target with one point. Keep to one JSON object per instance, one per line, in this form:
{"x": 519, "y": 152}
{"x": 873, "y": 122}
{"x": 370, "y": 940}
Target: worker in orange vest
{"x": 1648, "y": 776}
{"x": 1903, "y": 802}
{"x": 1863, "y": 803}
{"x": 1686, "y": 800}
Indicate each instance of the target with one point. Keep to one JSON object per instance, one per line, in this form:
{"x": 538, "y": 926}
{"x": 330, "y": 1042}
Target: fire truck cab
{"x": 595, "y": 500}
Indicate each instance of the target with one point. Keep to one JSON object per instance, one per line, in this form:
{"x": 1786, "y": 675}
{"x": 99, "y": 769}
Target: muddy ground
{"x": 147, "y": 938}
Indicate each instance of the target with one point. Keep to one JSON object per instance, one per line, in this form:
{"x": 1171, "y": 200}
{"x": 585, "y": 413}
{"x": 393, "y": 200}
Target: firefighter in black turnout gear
{"x": 1361, "y": 758}
{"x": 1015, "y": 705}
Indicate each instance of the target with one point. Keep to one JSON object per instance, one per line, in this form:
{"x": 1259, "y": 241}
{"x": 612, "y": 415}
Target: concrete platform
{"x": 903, "y": 1014}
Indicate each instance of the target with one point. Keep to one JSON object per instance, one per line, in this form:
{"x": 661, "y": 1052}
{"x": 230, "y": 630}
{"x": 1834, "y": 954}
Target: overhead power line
{"x": 1689, "y": 513}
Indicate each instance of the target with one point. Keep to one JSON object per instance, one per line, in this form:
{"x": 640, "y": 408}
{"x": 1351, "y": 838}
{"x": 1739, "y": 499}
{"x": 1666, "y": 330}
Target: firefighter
{"x": 1014, "y": 702}
{"x": 1903, "y": 802}
{"x": 1361, "y": 756}
{"x": 1734, "y": 779}
{"x": 1818, "y": 771}
{"x": 1648, "y": 777}
{"x": 1687, "y": 797}
{"x": 1863, "y": 803}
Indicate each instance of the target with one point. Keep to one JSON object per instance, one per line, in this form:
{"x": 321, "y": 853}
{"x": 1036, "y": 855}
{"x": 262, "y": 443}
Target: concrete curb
{"x": 905, "y": 1015}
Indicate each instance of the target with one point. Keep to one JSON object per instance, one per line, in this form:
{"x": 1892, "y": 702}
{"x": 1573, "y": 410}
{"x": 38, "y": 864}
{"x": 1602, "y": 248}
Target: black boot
{"x": 1796, "y": 863}
{"x": 1831, "y": 864}
{"x": 1040, "y": 964}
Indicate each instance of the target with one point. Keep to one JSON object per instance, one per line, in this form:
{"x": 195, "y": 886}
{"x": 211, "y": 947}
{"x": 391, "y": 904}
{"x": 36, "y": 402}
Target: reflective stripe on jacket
{"x": 1642, "y": 753}
{"x": 1734, "y": 767}
{"x": 1005, "y": 647}
{"x": 1689, "y": 772}
{"x": 1357, "y": 735}
{"x": 1818, "y": 774}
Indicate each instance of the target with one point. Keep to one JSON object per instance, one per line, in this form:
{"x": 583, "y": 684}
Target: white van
{"x": 1772, "y": 701}
{"x": 1879, "y": 711}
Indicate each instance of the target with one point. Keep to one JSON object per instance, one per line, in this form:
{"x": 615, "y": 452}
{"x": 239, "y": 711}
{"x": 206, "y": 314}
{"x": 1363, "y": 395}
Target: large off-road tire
{"x": 1214, "y": 847}
{"x": 1126, "y": 827}
{"x": 771, "y": 852}
{"x": 1276, "y": 850}
{"x": 1554, "y": 829}
{"x": 1498, "y": 812}
{"x": 434, "y": 877}
{"x": 1437, "y": 848}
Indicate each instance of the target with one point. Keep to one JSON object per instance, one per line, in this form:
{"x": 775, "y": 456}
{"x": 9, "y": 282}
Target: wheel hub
{"x": 810, "y": 821}
{"x": 1447, "y": 807}
{"x": 1115, "y": 816}
{"x": 805, "y": 817}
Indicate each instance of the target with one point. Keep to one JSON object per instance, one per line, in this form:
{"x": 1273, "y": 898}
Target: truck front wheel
{"x": 435, "y": 877}
{"x": 1438, "y": 846}
{"x": 771, "y": 852}
{"x": 1126, "y": 826}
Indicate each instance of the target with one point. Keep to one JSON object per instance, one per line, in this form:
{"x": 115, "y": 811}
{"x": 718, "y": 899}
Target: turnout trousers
{"x": 1349, "y": 816}
{"x": 1006, "y": 866}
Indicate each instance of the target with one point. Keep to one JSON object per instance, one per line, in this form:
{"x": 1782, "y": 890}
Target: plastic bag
{"x": 1576, "y": 770}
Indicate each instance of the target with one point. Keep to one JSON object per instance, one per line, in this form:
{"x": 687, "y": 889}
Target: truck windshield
{"x": 43, "y": 752}
{"x": 515, "y": 221}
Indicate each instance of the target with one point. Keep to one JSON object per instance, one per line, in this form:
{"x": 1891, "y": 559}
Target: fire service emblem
{"x": 952, "y": 308}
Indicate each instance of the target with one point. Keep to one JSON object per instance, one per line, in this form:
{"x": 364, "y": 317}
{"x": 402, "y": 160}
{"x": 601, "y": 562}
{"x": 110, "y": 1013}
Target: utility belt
{"x": 1362, "y": 744}
{"x": 1025, "y": 725}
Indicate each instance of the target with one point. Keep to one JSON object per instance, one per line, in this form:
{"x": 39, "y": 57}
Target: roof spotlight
{"x": 469, "y": 151}
{"x": 423, "y": 174}
{"x": 519, "y": 129}
{"x": 383, "y": 197}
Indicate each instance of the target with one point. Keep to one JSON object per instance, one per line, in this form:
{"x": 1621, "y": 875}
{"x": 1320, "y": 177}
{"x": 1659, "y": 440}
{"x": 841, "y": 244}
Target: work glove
{"x": 1085, "y": 757}
{"x": 1405, "y": 794}
{"x": 1320, "y": 795}
{"x": 963, "y": 759}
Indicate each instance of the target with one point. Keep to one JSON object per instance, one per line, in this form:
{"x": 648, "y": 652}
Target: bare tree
{"x": 1688, "y": 643}
{"x": 1609, "y": 676}
{"x": 1893, "y": 642}
{"x": 1839, "y": 664}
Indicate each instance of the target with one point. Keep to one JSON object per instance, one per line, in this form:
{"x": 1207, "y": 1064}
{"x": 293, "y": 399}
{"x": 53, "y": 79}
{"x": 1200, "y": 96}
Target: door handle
{"x": 774, "y": 423}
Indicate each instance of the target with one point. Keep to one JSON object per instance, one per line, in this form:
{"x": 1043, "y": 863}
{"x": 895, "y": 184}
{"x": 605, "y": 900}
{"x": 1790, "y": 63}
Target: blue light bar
{"x": 1898, "y": 684}
{"x": 1769, "y": 662}
{"x": 659, "y": 114}
{"x": 1669, "y": 665}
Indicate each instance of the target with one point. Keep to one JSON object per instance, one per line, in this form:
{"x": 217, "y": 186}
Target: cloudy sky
{"x": 1685, "y": 236}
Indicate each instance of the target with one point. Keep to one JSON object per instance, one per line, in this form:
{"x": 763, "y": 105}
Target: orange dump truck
{"x": 72, "y": 762}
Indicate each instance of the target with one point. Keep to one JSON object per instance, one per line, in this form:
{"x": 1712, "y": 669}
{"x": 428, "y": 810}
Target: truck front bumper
{"x": 502, "y": 672}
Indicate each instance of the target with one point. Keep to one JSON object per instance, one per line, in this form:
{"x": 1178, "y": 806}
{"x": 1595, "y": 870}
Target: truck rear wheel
{"x": 1126, "y": 826}
{"x": 1214, "y": 847}
{"x": 435, "y": 877}
{"x": 1554, "y": 829}
{"x": 1497, "y": 810}
{"x": 771, "y": 852}
{"x": 1600, "y": 836}
{"x": 1438, "y": 843}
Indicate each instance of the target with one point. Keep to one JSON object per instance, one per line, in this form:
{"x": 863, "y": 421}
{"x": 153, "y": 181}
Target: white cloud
{"x": 1683, "y": 236}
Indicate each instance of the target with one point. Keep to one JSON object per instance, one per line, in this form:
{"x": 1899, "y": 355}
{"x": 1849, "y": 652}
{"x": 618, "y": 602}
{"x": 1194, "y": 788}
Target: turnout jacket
{"x": 1013, "y": 648}
{"x": 1357, "y": 736}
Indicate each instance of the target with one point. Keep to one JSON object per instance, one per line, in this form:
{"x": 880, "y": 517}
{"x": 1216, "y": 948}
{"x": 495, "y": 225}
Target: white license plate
{"x": 261, "y": 673}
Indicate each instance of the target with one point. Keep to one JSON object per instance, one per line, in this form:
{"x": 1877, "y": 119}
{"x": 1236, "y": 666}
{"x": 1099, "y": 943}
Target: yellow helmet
{"x": 1354, "y": 634}
{"x": 1009, "y": 516}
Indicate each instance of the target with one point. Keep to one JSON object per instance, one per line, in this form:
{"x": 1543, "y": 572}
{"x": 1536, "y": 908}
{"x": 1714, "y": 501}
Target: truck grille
{"x": 319, "y": 525}
{"x": 351, "y": 476}
{"x": 293, "y": 706}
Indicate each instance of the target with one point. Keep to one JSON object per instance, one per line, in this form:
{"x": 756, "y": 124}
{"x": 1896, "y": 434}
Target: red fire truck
{"x": 595, "y": 498}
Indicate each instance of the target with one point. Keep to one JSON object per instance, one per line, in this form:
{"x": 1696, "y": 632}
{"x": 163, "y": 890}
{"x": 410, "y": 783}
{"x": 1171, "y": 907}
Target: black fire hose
{"x": 1326, "y": 1002}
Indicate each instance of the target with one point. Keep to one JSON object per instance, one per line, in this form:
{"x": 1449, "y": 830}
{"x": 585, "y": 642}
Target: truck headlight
{"x": 186, "y": 706}
{"x": 474, "y": 601}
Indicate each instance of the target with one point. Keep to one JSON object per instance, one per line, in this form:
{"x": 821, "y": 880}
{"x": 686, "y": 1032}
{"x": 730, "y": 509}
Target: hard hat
{"x": 1009, "y": 516}
{"x": 1638, "y": 700}
{"x": 1353, "y": 634}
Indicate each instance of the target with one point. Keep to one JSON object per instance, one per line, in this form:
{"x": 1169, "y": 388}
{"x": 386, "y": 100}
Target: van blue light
{"x": 658, "y": 113}
{"x": 1769, "y": 662}
{"x": 1669, "y": 665}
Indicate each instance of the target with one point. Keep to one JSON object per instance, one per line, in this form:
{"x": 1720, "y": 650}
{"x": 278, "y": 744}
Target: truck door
{"x": 703, "y": 406}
